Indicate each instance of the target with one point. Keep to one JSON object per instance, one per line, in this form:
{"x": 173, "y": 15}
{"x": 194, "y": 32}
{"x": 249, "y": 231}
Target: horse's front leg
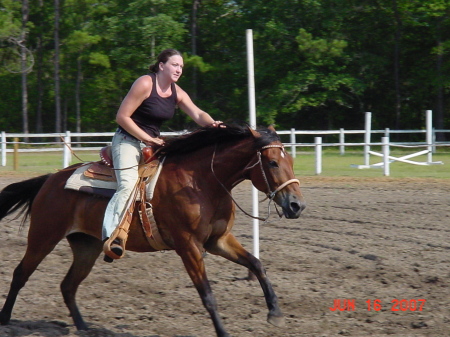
{"x": 230, "y": 248}
{"x": 195, "y": 266}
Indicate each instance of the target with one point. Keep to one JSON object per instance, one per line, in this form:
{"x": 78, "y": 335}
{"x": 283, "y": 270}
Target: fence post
{"x": 67, "y": 155}
{"x": 341, "y": 141}
{"x": 434, "y": 139}
{"x": 16, "y": 154}
{"x": 293, "y": 141}
{"x": 429, "y": 125}
{"x": 318, "y": 142}
{"x": 368, "y": 128}
{"x": 3, "y": 148}
{"x": 385, "y": 141}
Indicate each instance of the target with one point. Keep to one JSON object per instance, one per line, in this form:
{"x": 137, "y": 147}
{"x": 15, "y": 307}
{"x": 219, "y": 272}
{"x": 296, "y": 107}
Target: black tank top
{"x": 154, "y": 110}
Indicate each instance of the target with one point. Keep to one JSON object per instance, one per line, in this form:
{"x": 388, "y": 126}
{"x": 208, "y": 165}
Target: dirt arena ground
{"x": 380, "y": 240}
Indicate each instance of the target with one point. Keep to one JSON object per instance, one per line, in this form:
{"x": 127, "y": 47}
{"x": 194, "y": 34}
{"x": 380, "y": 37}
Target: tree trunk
{"x": 40, "y": 83}
{"x": 152, "y": 48}
{"x": 23, "y": 52}
{"x": 195, "y": 5}
{"x": 64, "y": 115}
{"x": 57, "y": 79}
{"x": 40, "y": 86}
{"x": 439, "y": 113}
{"x": 398, "y": 96}
{"x": 77, "y": 97}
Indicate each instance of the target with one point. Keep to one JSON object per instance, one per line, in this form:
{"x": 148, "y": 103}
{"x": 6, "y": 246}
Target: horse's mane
{"x": 205, "y": 136}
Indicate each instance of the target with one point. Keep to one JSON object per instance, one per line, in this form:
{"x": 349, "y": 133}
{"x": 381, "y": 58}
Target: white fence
{"x": 61, "y": 140}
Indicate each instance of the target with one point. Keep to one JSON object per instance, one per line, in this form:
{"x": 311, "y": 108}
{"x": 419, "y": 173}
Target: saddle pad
{"x": 83, "y": 180}
{"x": 78, "y": 181}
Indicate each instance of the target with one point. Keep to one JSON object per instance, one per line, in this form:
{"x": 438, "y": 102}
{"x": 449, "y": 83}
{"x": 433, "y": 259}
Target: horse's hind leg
{"x": 33, "y": 257}
{"x": 85, "y": 249}
{"x": 229, "y": 248}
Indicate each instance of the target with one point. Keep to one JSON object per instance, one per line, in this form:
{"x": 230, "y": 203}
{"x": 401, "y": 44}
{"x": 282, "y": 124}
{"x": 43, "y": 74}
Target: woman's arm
{"x": 140, "y": 90}
{"x": 199, "y": 116}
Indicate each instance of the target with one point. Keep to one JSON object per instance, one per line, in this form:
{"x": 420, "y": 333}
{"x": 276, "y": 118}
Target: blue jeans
{"x": 126, "y": 153}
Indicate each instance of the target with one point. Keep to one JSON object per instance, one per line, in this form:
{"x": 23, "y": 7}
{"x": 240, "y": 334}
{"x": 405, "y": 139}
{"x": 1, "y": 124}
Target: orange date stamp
{"x": 377, "y": 305}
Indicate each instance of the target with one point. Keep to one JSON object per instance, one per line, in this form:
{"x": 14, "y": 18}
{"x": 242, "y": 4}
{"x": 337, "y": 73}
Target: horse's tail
{"x": 20, "y": 196}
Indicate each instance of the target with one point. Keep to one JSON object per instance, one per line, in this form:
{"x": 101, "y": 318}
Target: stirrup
{"x": 116, "y": 249}
{"x": 118, "y": 240}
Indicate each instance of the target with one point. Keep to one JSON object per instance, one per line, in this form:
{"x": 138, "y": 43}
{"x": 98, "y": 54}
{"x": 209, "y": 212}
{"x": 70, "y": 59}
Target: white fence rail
{"x": 59, "y": 142}
{"x": 342, "y": 144}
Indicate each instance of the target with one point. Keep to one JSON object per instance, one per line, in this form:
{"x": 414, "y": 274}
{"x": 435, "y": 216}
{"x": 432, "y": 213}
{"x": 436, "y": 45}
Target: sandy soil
{"x": 359, "y": 240}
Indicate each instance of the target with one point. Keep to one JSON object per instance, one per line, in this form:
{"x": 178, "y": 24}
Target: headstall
{"x": 271, "y": 194}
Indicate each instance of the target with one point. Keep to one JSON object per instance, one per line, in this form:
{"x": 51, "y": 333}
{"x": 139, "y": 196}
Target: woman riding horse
{"x": 193, "y": 209}
{"x": 151, "y": 101}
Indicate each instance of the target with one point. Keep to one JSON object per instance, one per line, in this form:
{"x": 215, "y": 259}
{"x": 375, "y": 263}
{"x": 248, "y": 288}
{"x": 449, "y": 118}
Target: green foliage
{"x": 197, "y": 62}
{"x": 319, "y": 64}
{"x": 10, "y": 24}
{"x": 99, "y": 59}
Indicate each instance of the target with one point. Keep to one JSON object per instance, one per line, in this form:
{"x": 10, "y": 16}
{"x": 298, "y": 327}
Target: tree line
{"x": 319, "y": 64}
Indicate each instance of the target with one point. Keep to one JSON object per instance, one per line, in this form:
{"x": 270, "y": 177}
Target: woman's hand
{"x": 154, "y": 141}
{"x": 218, "y": 124}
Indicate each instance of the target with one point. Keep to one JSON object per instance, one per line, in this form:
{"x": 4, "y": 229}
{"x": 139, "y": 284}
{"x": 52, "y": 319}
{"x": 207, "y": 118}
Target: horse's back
{"x": 57, "y": 212}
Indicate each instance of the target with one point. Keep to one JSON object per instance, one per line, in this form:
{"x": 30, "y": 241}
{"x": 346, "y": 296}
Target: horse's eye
{"x": 273, "y": 163}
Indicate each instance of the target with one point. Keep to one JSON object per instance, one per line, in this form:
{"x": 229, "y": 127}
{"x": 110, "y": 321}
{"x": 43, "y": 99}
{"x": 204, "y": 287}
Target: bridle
{"x": 270, "y": 194}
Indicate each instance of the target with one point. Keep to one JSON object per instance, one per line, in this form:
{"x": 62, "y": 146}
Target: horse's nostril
{"x": 295, "y": 206}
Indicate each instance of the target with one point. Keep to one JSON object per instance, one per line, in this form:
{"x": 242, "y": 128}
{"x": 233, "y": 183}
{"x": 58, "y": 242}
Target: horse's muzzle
{"x": 293, "y": 207}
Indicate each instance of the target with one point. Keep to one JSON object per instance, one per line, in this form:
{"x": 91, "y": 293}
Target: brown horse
{"x": 193, "y": 209}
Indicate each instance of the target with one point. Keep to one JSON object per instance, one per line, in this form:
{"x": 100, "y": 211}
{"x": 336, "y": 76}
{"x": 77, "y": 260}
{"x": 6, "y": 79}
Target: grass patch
{"x": 34, "y": 163}
{"x": 333, "y": 164}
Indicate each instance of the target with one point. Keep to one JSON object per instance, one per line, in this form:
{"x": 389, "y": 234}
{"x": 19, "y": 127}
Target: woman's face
{"x": 173, "y": 68}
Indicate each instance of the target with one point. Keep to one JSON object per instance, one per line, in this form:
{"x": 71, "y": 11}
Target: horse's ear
{"x": 255, "y": 133}
{"x": 271, "y": 128}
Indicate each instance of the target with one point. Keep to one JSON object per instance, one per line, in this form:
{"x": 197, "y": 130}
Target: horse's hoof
{"x": 4, "y": 319}
{"x": 222, "y": 333}
{"x": 81, "y": 326}
{"x": 278, "y": 321}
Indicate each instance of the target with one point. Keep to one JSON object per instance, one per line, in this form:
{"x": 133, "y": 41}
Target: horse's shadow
{"x": 19, "y": 328}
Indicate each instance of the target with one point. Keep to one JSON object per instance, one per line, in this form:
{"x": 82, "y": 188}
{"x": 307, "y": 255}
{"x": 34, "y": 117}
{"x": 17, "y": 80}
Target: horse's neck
{"x": 229, "y": 164}
{"x": 218, "y": 165}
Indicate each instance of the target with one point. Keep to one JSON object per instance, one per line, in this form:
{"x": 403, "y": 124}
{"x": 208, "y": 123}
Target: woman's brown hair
{"x": 163, "y": 57}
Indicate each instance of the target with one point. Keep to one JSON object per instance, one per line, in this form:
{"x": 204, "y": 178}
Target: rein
{"x": 270, "y": 195}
